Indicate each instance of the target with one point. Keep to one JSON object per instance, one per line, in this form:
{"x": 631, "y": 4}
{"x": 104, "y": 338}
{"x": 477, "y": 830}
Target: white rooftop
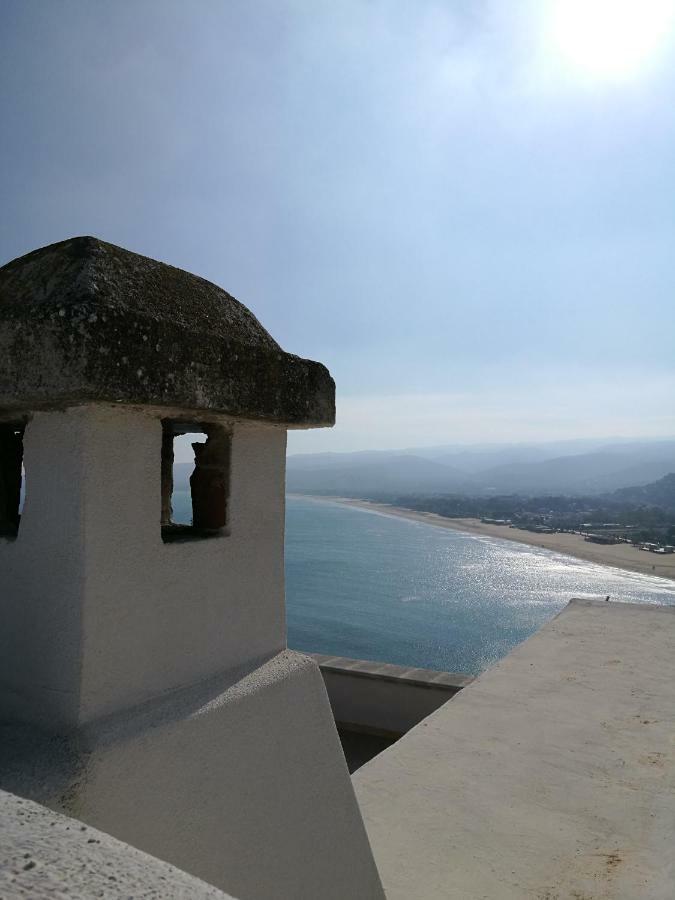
{"x": 551, "y": 777}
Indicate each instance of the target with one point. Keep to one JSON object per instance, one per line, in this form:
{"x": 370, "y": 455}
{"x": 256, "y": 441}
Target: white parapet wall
{"x": 550, "y": 777}
{"x": 382, "y": 699}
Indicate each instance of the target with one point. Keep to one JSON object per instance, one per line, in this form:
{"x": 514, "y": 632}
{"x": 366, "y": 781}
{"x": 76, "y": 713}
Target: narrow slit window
{"x": 12, "y": 478}
{"x": 195, "y": 480}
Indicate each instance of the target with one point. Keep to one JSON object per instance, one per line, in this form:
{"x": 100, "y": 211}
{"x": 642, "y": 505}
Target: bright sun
{"x": 610, "y": 39}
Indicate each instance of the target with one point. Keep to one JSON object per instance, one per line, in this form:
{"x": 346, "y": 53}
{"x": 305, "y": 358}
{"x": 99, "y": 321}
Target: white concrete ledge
{"x": 550, "y": 777}
{"x": 383, "y": 699}
{"x": 366, "y": 668}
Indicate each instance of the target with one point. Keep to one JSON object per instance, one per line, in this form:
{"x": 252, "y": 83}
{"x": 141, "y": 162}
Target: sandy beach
{"x": 621, "y": 556}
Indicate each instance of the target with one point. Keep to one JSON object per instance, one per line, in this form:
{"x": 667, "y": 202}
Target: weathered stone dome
{"x": 85, "y": 321}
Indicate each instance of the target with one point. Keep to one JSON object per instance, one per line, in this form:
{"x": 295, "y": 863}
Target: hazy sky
{"x": 465, "y": 209}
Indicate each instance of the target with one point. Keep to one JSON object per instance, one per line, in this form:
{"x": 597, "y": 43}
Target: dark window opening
{"x": 195, "y": 480}
{"x": 11, "y": 478}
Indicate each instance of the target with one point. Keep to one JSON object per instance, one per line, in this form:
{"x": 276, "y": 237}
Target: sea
{"x": 368, "y": 585}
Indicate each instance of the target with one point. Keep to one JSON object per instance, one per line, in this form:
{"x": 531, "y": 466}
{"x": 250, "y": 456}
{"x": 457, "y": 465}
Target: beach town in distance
{"x": 620, "y": 555}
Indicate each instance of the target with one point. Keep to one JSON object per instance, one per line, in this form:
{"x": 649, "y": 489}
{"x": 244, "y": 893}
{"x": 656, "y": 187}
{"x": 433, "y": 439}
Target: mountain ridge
{"x": 605, "y": 468}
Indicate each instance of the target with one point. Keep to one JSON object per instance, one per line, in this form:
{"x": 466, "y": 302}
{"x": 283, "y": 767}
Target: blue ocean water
{"x": 372, "y": 586}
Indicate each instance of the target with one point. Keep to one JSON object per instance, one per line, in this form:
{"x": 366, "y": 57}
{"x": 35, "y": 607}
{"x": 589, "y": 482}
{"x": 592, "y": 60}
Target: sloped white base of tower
{"x": 242, "y": 784}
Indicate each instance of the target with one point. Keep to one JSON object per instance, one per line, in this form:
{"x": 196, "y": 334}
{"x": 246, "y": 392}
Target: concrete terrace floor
{"x": 551, "y": 777}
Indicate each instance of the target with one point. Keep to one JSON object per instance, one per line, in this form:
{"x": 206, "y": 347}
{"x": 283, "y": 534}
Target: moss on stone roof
{"x": 86, "y": 321}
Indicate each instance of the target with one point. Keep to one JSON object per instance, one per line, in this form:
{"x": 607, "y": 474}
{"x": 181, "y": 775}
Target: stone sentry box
{"x": 146, "y": 679}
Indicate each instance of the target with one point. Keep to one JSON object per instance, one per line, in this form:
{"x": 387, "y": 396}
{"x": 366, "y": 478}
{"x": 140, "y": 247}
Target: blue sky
{"x": 469, "y": 221}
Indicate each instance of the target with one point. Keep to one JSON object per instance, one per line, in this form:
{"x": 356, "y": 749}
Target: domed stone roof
{"x": 85, "y": 321}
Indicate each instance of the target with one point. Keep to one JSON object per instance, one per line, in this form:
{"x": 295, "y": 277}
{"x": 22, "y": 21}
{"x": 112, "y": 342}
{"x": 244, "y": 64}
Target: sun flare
{"x": 610, "y": 39}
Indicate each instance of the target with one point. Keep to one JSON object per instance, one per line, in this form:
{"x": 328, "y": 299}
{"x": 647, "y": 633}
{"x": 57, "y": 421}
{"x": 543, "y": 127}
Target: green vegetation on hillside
{"x": 643, "y": 513}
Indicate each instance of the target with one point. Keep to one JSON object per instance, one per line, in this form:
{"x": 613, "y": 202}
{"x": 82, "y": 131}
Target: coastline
{"x": 619, "y": 556}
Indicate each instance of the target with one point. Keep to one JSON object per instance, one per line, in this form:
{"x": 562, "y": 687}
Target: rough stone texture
{"x": 83, "y": 321}
{"x": 550, "y": 777}
{"x": 46, "y": 855}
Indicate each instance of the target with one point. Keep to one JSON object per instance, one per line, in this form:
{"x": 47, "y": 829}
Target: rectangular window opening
{"x": 12, "y": 478}
{"x": 195, "y": 480}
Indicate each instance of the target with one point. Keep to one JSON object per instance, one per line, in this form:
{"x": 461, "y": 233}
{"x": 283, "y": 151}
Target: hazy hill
{"x": 475, "y": 461}
{"x": 629, "y": 465}
{"x": 587, "y": 473}
{"x": 314, "y": 461}
{"x": 587, "y": 468}
{"x": 181, "y": 475}
{"x": 386, "y": 474}
{"x": 659, "y": 493}
{"x": 478, "y": 457}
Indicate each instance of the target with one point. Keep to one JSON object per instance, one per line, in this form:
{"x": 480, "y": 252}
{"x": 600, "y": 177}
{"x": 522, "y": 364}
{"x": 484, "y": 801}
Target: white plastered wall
{"x": 160, "y": 616}
{"x": 42, "y": 579}
{"x": 95, "y": 605}
{"x": 247, "y": 788}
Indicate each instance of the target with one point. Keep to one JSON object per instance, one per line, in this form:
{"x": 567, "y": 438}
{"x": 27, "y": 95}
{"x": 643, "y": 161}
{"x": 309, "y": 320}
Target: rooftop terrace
{"x": 550, "y": 777}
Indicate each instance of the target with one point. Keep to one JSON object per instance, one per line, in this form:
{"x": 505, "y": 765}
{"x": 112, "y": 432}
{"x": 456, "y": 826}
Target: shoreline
{"x": 618, "y": 556}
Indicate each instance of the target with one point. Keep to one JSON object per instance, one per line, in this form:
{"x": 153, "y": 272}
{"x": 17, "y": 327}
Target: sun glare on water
{"x": 611, "y": 40}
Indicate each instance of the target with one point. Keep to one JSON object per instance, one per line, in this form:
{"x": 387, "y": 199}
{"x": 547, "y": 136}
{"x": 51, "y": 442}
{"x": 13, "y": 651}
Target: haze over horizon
{"x": 567, "y": 446}
{"x": 464, "y": 211}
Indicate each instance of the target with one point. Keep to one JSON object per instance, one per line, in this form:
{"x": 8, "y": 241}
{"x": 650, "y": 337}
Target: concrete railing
{"x": 382, "y": 699}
